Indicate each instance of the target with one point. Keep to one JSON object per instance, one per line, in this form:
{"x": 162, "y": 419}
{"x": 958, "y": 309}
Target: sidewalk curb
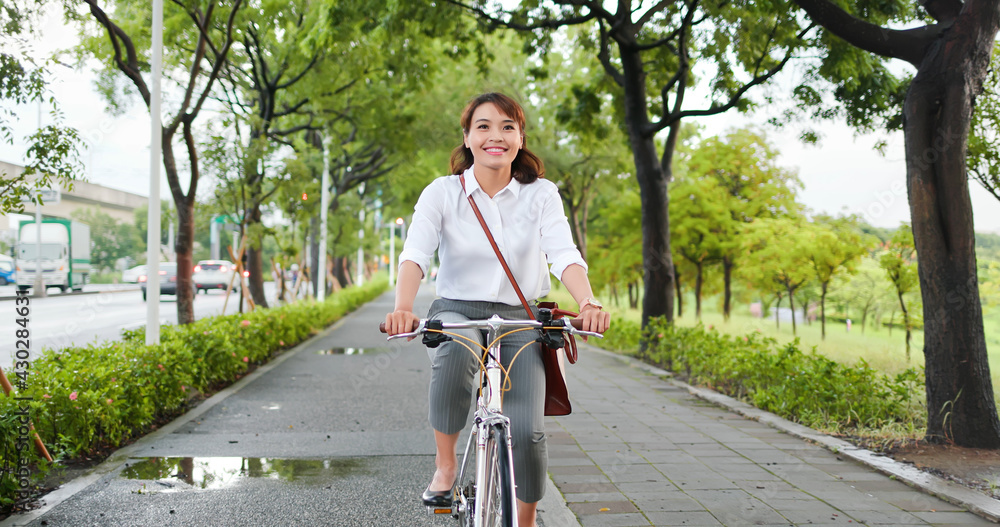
{"x": 975, "y": 502}
{"x": 120, "y": 456}
{"x": 553, "y": 509}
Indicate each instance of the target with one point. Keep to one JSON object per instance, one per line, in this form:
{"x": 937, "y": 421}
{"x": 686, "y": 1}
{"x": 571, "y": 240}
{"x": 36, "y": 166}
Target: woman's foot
{"x": 438, "y": 493}
{"x": 444, "y": 480}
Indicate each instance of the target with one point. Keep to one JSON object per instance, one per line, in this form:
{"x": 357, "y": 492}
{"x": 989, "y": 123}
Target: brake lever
{"x": 404, "y": 335}
{"x": 416, "y": 333}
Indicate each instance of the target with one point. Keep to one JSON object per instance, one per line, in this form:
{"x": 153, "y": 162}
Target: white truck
{"x": 64, "y": 257}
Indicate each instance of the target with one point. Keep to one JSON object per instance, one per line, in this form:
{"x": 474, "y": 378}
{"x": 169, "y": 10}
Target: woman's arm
{"x": 402, "y": 317}
{"x": 576, "y": 281}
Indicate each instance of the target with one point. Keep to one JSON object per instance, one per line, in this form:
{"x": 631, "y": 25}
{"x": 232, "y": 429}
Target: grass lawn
{"x": 883, "y": 349}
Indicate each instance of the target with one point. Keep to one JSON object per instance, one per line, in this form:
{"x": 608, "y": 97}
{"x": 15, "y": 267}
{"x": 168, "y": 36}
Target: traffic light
{"x": 305, "y": 196}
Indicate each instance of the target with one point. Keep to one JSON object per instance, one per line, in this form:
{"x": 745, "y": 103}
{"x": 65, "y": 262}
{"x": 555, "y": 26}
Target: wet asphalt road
{"x": 319, "y": 438}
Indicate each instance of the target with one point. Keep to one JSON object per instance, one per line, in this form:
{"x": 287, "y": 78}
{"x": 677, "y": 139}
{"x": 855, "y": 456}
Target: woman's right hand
{"x": 400, "y": 321}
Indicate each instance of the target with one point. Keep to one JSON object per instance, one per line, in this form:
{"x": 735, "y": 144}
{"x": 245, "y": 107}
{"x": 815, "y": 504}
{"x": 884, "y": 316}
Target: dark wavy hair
{"x": 526, "y": 167}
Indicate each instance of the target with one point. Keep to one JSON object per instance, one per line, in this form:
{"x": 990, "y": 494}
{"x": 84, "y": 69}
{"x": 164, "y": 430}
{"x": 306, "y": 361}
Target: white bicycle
{"x": 484, "y": 489}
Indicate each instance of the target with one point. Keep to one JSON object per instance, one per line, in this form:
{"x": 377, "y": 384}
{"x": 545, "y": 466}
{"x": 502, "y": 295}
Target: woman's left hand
{"x": 594, "y": 319}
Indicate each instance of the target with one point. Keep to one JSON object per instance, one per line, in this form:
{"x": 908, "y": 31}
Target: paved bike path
{"x": 641, "y": 450}
{"x": 335, "y": 432}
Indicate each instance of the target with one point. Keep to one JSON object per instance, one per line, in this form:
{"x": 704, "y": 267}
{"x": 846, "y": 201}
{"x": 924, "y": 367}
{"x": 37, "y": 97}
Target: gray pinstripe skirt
{"x": 452, "y": 389}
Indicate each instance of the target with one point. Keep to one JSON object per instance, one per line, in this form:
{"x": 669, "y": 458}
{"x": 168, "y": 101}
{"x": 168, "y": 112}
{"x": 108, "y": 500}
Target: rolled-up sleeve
{"x": 424, "y": 233}
{"x": 556, "y": 236}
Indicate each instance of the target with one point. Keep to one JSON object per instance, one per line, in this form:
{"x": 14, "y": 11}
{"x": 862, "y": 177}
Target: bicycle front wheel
{"x": 496, "y": 503}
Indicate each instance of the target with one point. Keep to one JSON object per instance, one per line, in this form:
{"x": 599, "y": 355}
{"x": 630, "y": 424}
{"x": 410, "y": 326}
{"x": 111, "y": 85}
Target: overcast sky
{"x": 842, "y": 175}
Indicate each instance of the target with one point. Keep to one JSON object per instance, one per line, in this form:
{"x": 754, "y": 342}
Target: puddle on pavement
{"x": 168, "y": 473}
{"x": 351, "y": 351}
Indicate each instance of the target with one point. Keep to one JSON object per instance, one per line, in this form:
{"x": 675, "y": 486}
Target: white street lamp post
{"x": 153, "y": 219}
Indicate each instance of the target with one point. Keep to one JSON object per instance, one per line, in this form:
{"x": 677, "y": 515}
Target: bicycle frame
{"x": 489, "y": 413}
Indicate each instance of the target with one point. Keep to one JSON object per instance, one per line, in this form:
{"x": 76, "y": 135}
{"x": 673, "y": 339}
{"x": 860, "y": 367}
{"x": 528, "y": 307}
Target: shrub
{"x": 100, "y": 395}
{"x": 804, "y": 387}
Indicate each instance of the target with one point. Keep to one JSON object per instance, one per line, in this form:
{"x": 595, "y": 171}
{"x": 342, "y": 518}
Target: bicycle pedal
{"x": 439, "y": 510}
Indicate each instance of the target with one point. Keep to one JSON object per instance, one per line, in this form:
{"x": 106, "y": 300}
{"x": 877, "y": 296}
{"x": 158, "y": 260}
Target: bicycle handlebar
{"x": 572, "y": 325}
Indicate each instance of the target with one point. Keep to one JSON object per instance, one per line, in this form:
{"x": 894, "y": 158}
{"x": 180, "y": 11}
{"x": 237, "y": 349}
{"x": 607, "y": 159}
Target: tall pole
{"x": 39, "y": 289}
{"x": 392, "y": 254}
{"x": 361, "y": 250}
{"x": 153, "y": 220}
{"x": 324, "y": 204}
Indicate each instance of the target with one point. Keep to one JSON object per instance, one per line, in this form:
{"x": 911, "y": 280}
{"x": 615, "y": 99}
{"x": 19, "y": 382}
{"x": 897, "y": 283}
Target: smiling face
{"x": 493, "y": 137}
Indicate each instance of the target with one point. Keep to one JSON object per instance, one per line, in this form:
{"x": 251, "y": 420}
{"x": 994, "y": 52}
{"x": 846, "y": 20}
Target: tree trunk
{"x": 314, "y": 255}
{"x": 727, "y": 279}
{"x": 678, "y": 294}
{"x": 777, "y": 314}
{"x": 906, "y": 324}
{"x": 340, "y": 271}
{"x": 698, "y": 281}
{"x": 822, "y": 310}
{"x": 791, "y": 305}
{"x": 652, "y": 176}
{"x": 183, "y": 247}
{"x": 937, "y": 113}
{"x": 255, "y": 262}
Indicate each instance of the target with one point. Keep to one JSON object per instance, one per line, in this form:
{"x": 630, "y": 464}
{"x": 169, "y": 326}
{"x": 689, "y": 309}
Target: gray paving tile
{"x": 916, "y": 501}
{"x": 596, "y": 478}
{"x": 614, "y": 520}
{"x": 702, "y": 482}
{"x": 735, "y": 506}
{"x": 951, "y": 518}
{"x": 596, "y": 507}
{"x": 658, "y": 488}
{"x": 593, "y": 496}
{"x": 679, "y": 503}
{"x": 896, "y": 517}
{"x": 682, "y": 518}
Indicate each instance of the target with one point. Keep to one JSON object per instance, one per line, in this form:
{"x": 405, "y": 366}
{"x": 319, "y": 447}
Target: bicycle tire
{"x": 498, "y": 497}
{"x": 465, "y": 486}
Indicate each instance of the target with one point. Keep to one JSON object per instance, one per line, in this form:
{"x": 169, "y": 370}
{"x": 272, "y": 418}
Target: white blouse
{"x": 527, "y": 222}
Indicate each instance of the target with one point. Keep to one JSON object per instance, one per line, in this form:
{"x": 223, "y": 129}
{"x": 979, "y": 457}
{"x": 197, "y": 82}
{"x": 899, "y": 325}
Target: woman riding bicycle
{"x": 525, "y": 215}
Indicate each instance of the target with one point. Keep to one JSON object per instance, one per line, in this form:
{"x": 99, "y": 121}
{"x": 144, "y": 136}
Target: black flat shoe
{"x": 437, "y": 498}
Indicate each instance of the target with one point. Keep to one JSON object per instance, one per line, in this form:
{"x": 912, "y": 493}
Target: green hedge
{"x": 801, "y": 386}
{"x": 98, "y": 396}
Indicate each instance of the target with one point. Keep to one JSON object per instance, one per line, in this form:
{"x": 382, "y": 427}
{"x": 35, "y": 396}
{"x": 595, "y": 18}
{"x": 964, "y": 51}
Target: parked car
{"x": 131, "y": 276}
{"x": 168, "y": 280}
{"x": 7, "y": 270}
{"x": 215, "y": 274}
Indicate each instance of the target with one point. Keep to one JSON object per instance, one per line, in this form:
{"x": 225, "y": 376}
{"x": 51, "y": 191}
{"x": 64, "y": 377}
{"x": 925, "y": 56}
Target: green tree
{"x": 864, "y": 291}
{"x": 836, "y": 246}
{"x": 614, "y": 262}
{"x": 53, "y": 150}
{"x": 651, "y": 53}
{"x": 777, "y": 246}
{"x": 745, "y": 165}
{"x": 984, "y": 141}
{"x": 110, "y": 239}
{"x": 267, "y": 63}
{"x": 201, "y": 35}
{"x": 951, "y": 54}
{"x": 900, "y": 267}
{"x": 702, "y": 224}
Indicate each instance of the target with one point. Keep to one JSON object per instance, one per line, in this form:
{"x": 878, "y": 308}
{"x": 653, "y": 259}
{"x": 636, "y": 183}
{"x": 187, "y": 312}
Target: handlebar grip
{"x": 381, "y": 326}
